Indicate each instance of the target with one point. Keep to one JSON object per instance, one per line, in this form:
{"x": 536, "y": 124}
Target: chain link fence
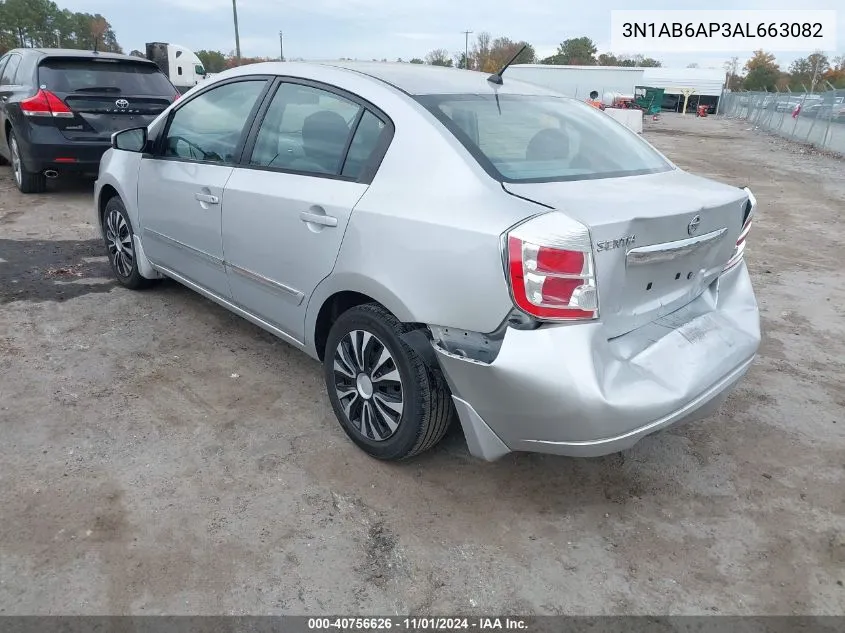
{"x": 814, "y": 118}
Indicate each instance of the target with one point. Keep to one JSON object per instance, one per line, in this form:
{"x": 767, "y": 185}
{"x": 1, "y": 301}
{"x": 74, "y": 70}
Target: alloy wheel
{"x": 368, "y": 385}
{"x": 119, "y": 240}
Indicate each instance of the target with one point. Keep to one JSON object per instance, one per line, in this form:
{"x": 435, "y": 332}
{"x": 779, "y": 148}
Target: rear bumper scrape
{"x": 568, "y": 390}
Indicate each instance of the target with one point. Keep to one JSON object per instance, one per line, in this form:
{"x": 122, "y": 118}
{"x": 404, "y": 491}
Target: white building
{"x": 579, "y": 81}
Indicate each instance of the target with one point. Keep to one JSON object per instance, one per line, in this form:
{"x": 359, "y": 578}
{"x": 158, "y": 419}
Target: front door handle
{"x": 207, "y": 198}
{"x": 318, "y": 218}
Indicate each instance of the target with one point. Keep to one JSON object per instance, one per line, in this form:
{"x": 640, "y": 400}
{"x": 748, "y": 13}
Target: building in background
{"x": 706, "y": 84}
{"x": 579, "y": 81}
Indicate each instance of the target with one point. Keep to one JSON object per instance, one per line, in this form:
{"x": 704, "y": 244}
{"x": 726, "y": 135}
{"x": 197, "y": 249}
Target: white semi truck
{"x": 180, "y": 64}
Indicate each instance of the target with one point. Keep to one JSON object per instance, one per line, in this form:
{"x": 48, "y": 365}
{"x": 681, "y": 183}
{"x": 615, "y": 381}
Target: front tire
{"x": 27, "y": 181}
{"x": 120, "y": 246}
{"x": 388, "y": 400}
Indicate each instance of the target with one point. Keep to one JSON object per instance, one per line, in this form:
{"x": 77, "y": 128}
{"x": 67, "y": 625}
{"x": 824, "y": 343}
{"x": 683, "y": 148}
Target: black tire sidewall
{"x": 30, "y": 182}
{"x": 134, "y": 280}
{"x": 412, "y": 372}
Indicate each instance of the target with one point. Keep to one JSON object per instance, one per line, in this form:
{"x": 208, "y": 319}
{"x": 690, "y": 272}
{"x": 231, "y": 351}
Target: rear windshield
{"x": 542, "y": 139}
{"x": 81, "y": 76}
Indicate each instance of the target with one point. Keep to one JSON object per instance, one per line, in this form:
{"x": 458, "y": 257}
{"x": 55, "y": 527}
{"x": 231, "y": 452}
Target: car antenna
{"x": 496, "y": 78}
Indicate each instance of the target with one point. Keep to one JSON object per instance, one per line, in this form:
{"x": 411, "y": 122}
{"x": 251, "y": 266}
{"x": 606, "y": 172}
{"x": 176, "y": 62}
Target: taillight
{"x": 176, "y": 97}
{"x": 550, "y": 269}
{"x": 748, "y": 217}
{"x": 45, "y": 103}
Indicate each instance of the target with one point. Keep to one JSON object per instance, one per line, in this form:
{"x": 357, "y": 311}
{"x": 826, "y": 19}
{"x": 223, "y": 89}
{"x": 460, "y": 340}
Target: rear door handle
{"x": 207, "y": 198}
{"x": 318, "y": 218}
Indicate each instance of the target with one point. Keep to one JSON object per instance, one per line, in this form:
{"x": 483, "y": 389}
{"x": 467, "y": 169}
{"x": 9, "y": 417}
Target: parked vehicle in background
{"x": 445, "y": 242}
{"x": 826, "y": 109}
{"x": 59, "y": 108}
{"x": 180, "y": 64}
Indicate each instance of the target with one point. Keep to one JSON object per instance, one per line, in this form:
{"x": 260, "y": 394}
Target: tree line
{"x": 41, "y": 23}
{"x": 487, "y": 54}
{"x": 815, "y": 73}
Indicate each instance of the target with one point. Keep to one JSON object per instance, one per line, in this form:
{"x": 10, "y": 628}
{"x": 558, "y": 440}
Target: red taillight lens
{"x": 553, "y": 260}
{"x": 551, "y": 283}
{"x": 45, "y": 103}
{"x": 739, "y": 251}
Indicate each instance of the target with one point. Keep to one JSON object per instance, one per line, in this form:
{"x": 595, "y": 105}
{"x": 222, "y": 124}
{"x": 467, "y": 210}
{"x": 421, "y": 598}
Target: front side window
{"x": 541, "y": 139}
{"x": 305, "y": 129}
{"x": 209, "y": 127}
{"x": 8, "y": 76}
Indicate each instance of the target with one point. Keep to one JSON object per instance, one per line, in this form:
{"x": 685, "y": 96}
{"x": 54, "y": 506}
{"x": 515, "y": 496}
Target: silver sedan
{"x": 448, "y": 245}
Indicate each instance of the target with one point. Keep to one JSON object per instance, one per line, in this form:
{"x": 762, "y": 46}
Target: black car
{"x": 59, "y": 108}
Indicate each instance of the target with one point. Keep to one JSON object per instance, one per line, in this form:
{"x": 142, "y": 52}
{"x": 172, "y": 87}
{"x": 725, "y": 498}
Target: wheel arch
{"x": 106, "y": 193}
{"x": 335, "y": 295}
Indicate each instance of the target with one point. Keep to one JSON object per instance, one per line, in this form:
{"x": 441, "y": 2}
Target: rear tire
{"x": 27, "y": 181}
{"x": 120, "y": 246}
{"x": 388, "y": 400}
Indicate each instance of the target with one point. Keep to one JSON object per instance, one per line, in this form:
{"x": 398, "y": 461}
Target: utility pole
{"x": 237, "y": 35}
{"x": 815, "y": 73}
{"x": 281, "y": 47}
{"x": 466, "y": 49}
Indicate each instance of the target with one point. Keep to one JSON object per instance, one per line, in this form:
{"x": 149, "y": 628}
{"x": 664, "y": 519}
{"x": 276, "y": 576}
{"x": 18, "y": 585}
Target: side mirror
{"x": 132, "y": 140}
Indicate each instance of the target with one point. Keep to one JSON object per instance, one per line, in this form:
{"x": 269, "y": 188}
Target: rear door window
{"x": 8, "y": 76}
{"x": 123, "y": 78}
{"x": 305, "y": 129}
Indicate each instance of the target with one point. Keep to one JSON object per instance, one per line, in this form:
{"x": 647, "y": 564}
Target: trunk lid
{"x": 658, "y": 240}
{"x": 106, "y": 95}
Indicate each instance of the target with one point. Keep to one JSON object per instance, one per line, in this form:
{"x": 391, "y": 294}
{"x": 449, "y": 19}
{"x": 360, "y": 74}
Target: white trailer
{"x": 179, "y": 63}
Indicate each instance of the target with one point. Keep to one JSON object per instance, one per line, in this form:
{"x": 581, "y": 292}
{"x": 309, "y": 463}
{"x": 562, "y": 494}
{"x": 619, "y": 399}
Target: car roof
{"x": 83, "y": 54}
{"x": 413, "y": 79}
{"x": 422, "y": 79}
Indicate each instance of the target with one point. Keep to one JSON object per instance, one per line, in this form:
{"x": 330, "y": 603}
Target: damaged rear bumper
{"x": 568, "y": 390}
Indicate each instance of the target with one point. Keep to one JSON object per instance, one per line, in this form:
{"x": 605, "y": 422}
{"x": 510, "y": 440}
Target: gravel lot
{"x": 160, "y": 455}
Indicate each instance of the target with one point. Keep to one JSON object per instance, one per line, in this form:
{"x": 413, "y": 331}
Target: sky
{"x": 367, "y": 29}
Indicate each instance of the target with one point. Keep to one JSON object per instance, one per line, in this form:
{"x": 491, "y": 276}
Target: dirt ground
{"x": 160, "y": 455}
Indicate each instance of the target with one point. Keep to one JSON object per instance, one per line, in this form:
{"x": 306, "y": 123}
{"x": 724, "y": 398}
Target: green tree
{"x": 212, "y": 61}
{"x": 762, "y": 72}
{"x": 836, "y": 74}
{"x": 416, "y": 60}
{"x": 439, "y": 57}
{"x": 634, "y": 61}
{"x": 43, "y": 23}
{"x": 608, "y": 59}
{"x": 578, "y": 51}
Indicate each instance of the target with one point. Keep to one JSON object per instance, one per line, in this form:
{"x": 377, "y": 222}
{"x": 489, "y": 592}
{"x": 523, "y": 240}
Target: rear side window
{"x": 8, "y": 76}
{"x": 364, "y": 143}
{"x": 83, "y": 75}
{"x": 542, "y": 139}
